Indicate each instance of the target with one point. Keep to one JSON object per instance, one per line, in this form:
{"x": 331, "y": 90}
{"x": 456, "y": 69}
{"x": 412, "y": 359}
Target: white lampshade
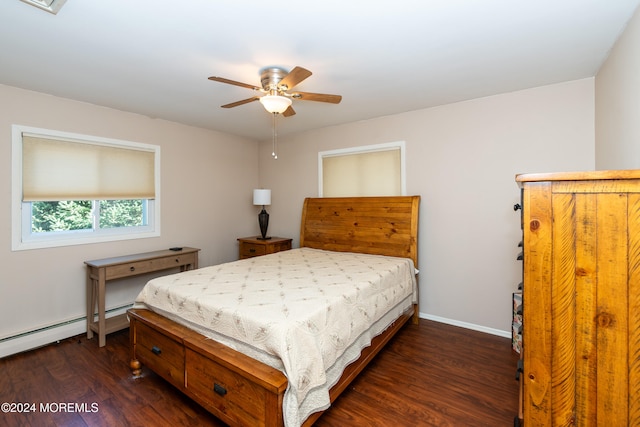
{"x": 261, "y": 197}
{"x": 275, "y": 103}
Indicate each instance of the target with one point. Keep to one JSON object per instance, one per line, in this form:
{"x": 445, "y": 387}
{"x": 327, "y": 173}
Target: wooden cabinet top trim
{"x": 579, "y": 176}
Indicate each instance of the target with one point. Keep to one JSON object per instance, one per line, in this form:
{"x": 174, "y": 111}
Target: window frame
{"x": 24, "y": 239}
{"x": 388, "y": 146}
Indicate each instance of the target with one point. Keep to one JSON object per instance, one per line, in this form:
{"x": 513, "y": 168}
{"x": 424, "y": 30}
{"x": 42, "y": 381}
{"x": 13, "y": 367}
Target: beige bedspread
{"x": 307, "y": 312}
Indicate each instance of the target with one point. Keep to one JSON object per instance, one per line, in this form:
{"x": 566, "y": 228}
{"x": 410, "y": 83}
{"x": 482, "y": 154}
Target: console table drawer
{"x": 147, "y": 266}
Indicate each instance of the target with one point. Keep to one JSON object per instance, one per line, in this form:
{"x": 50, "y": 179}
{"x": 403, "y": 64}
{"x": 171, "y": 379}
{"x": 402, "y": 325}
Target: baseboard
{"x": 50, "y": 334}
{"x": 41, "y": 337}
{"x": 472, "y": 326}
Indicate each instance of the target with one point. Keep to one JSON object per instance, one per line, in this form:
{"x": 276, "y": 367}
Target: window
{"x": 71, "y": 189}
{"x": 373, "y": 170}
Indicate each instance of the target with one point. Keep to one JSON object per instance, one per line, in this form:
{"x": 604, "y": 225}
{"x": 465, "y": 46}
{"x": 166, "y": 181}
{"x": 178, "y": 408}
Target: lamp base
{"x": 263, "y": 238}
{"x": 263, "y": 220}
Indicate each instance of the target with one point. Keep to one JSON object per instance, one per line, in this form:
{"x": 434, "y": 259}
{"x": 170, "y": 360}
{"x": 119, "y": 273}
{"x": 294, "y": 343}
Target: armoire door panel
{"x": 586, "y": 309}
{"x": 563, "y": 308}
{"x": 612, "y": 316}
{"x": 537, "y": 354}
{"x": 634, "y": 308}
{"x": 581, "y": 298}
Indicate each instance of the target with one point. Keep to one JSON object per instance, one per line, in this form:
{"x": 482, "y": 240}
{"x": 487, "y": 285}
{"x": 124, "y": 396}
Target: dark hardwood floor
{"x": 429, "y": 375}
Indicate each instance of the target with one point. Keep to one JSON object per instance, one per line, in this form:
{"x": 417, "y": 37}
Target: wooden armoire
{"x": 581, "y": 298}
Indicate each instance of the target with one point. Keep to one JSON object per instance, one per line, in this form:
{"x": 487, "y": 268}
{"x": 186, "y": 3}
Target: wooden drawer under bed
{"x": 234, "y": 387}
{"x": 161, "y": 354}
{"x": 235, "y": 399}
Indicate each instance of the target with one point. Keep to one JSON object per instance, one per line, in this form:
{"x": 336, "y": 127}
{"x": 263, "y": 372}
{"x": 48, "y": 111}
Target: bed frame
{"x": 240, "y": 390}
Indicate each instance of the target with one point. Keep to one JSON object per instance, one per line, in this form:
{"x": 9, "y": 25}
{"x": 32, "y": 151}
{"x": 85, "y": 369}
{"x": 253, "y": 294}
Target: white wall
{"x": 206, "y": 185}
{"x": 618, "y": 103}
{"x": 462, "y": 159}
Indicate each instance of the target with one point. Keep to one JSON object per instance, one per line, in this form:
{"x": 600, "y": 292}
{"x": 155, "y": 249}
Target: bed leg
{"x": 134, "y": 364}
{"x": 136, "y": 367}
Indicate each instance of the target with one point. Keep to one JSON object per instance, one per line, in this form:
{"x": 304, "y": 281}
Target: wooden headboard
{"x": 372, "y": 225}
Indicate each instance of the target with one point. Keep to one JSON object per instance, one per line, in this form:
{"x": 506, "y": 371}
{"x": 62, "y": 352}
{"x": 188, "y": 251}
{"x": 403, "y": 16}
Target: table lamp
{"x": 262, "y": 197}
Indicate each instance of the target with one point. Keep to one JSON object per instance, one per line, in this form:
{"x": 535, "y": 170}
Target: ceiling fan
{"x": 276, "y": 88}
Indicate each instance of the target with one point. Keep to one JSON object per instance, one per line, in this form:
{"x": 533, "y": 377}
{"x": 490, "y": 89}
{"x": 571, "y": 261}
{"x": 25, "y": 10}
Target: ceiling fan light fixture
{"x": 52, "y": 6}
{"x": 275, "y": 103}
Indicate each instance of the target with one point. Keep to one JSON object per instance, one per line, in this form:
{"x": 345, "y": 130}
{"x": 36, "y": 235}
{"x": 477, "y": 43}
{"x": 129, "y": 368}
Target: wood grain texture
{"x": 586, "y": 267}
{"x": 537, "y": 304}
{"x": 429, "y": 375}
{"x": 603, "y": 175}
{"x": 563, "y": 318}
{"x": 253, "y": 391}
{"x": 611, "y": 318}
{"x": 374, "y": 225}
{"x": 591, "y": 300}
{"x": 606, "y": 186}
{"x": 634, "y": 308}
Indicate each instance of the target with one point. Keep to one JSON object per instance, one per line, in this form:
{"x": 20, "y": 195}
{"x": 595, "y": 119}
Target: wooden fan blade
{"x": 319, "y": 97}
{"x": 289, "y": 111}
{"x": 244, "y": 101}
{"x": 294, "y": 77}
{"x": 233, "y": 82}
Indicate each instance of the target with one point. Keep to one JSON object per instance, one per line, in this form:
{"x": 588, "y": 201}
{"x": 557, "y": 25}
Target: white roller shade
{"x": 55, "y": 169}
{"x": 376, "y": 173}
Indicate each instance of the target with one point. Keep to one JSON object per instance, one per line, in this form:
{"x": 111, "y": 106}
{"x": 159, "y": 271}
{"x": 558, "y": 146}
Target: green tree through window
{"x": 121, "y": 213}
{"x": 78, "y": 215}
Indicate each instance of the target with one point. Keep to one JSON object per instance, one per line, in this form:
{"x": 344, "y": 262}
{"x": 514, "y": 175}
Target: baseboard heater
{"x": 48, "y": 334}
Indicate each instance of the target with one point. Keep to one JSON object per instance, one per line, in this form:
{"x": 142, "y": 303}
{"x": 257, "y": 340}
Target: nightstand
{"x": 252, "y": 246}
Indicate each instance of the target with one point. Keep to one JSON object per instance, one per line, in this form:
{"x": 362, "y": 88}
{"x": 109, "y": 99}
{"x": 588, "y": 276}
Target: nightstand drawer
{"x": 248, "y": 250}
{"x": 279, "y": 246}
{"x": 253, "y": 246}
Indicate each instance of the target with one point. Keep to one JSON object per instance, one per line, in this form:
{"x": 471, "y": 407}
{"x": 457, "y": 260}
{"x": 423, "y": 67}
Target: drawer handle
{"x": 156, "y": 350}
{"x": 219, "y": 389}
{"x": 132, "y": 268}
{"x": 252, "y": 250}
{"x": 177, "y": 260}
{"x": 520, "y": 369}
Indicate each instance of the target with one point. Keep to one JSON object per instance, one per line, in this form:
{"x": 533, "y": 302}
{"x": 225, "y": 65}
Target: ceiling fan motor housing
{"x": 270, "y": 77}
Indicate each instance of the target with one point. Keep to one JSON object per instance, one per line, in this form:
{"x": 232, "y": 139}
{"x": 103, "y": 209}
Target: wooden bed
{"x": 240, "y": 390}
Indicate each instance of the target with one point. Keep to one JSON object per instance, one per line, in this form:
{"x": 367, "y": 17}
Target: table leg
{"x": 91, "y": 305}
{"x": 102, "y": 321}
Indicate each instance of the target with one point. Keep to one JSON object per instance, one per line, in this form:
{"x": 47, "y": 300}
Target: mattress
{"x": 307, "y": 312}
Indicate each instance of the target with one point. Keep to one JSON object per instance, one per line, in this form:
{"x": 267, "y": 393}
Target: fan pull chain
{"x": 274, "y": 150}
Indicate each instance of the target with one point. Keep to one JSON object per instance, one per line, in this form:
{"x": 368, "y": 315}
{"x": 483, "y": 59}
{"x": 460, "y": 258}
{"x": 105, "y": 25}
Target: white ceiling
{"x": 153, "y": 57}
